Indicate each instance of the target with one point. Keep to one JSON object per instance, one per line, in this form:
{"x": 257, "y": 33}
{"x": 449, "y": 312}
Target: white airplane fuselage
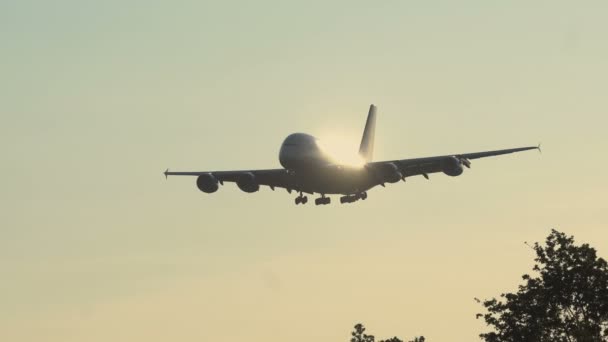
{"x": 300, "y": 151}
{"x": 315, "y": 171}
{"x": 309, "y": 168}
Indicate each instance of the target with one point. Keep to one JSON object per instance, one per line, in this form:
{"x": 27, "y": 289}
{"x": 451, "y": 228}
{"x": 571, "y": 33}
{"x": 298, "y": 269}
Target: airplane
{"x": 309, "y": 169}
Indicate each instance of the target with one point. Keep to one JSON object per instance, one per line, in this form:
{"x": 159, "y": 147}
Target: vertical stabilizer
{"x": 366, "y": 150}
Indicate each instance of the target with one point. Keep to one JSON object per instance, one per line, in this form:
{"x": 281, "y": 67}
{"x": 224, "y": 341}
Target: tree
{"x": 359, "y": 335}
{"x": 565, "y": 300}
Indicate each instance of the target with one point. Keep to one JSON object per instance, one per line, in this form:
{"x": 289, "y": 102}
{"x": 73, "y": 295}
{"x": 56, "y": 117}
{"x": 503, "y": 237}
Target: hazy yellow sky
{"x": 97, "y": 98}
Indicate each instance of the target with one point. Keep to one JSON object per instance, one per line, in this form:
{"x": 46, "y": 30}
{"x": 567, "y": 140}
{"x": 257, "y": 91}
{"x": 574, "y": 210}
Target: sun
{"x": 342, "y": 151}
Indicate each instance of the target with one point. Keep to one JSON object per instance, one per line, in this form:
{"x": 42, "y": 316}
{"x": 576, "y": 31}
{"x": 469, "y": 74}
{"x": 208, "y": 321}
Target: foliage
{"x": 359, "y": 335}
{"x": 565, "y": 300}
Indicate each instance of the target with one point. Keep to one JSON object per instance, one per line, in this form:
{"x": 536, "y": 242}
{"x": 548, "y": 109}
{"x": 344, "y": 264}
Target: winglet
{"x": 539, "y": 149}
{"x": 166, "y": 173}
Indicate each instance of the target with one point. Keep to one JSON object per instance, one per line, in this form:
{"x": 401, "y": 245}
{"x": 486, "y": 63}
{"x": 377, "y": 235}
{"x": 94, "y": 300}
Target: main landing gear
{"x": 322, "y": 200}
{"x": 318, "y": 201}
{"x": 301, "y": 199}
{"x": 353, "y": 198}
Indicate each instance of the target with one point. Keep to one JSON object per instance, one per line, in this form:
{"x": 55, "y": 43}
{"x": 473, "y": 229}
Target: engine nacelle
{"x": 391, "y": 173}
{"x": 452, "y": 166}
{"x": 248, "y": 183}
{"x": 207, "y": 183}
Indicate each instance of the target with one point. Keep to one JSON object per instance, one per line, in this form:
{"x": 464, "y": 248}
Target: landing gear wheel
{"x": 322, "y": 200}
{"x": 364, "y": 196}
{"x": 351, "y": 198}
{"x": 301, "y": 199}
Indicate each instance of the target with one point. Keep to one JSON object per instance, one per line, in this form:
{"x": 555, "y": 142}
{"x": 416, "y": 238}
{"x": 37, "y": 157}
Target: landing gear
{"x": 322, "y": 200}
{"x": 347, "y": 199}
{"x": 353, "y": 198}
{"x": 301, "y": 199}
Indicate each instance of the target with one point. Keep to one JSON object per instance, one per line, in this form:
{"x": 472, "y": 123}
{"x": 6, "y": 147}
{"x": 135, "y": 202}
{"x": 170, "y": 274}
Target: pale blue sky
{"x": 98, "y": 98}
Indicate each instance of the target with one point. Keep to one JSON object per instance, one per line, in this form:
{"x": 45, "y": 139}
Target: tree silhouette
{"x": 565, "y": 300}
{"x": 359, "y": 335}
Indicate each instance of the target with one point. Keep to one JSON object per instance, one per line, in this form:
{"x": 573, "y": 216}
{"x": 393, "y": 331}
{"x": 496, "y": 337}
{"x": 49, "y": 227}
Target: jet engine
{"x": 452, "y": 166}
{"x": 207, "y": 183}
{"x": 248, "y": 183}
{"x": 390, "y": 173}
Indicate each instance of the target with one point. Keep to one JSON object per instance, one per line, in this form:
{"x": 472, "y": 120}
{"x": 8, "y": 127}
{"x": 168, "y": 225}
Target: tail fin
{"x": 366, "y": 150}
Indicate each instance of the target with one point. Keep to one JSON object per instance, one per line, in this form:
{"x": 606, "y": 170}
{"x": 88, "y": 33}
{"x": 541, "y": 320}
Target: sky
{"x": 98, "y": 98}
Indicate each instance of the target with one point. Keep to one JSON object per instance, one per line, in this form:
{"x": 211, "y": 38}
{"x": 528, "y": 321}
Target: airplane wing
{"x": 424, "y": 166}
{"x": 280, "y": 178}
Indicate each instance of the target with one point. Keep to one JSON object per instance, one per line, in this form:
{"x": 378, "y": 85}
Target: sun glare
{"x": 342, "y": 152}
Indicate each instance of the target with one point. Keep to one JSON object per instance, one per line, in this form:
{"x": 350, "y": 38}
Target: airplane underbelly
{"x": 336, "y": 181}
